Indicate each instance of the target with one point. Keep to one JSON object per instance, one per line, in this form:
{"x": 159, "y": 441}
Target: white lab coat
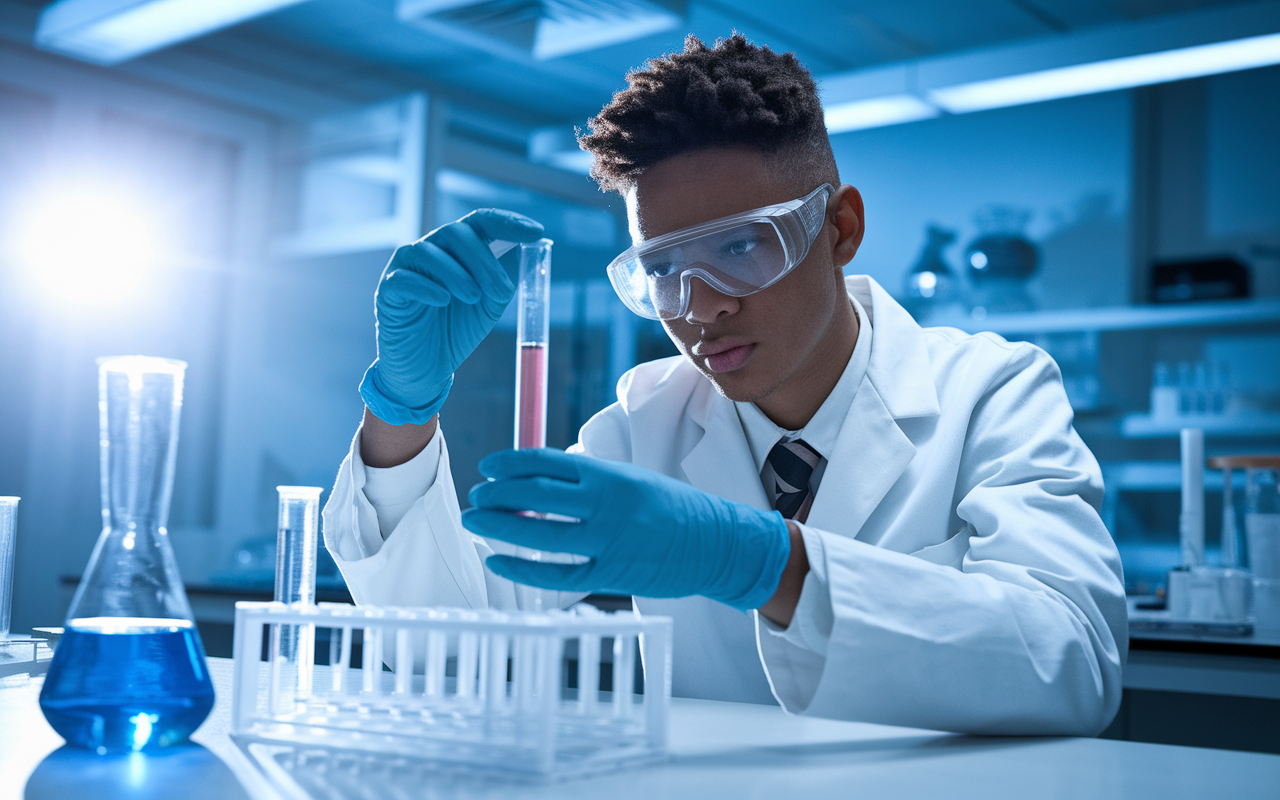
{"x": 973, "y": 586}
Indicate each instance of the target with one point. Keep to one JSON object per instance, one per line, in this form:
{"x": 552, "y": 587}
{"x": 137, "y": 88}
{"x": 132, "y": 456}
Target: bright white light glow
{"x": 1109, "y": 75}
{"x": 112, "y": 31}
{"x": 143, "y": 723}
{"x": 87, "y": 244}
{"x": 877, "y": 112}
{"x": 978, "y": 259}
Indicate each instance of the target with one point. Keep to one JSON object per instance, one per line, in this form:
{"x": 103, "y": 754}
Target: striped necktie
{"x": 792, "y": 465}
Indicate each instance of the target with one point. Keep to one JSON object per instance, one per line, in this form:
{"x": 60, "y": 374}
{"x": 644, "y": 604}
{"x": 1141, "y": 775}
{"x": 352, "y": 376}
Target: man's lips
{"x": 725, "y": 357}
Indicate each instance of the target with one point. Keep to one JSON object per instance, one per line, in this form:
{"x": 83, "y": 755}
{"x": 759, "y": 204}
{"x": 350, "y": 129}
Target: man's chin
{"x": 736, "y": 386}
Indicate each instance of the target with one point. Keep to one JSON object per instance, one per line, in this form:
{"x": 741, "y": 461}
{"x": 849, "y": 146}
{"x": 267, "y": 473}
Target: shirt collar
{"x": 823, "y": 430}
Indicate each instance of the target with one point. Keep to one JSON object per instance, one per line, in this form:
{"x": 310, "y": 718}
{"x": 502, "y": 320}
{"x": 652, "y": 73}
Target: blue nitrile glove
{"x": 646, "y": 534}
{"x": 438, "y": 298}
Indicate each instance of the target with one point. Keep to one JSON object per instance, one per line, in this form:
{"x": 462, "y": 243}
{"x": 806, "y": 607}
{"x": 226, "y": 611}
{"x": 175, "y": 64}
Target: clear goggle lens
{"x": 736, "y": 256}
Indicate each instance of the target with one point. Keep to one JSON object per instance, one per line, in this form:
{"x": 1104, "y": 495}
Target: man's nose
{"x": 706, "y": 304}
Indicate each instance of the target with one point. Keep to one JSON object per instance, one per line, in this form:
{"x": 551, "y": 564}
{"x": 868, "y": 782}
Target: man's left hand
{"x": 644, "y": 533}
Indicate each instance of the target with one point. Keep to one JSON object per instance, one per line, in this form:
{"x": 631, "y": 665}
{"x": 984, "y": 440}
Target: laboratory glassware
{"x": 8, "y": 537}
{"x": 533, "y": 328}
{"x": 1165, "y": 397}
{"x": 1001, "y": 260}
{"x": 931, "y": 283}
{"x": 1262, "y": 532}
{"x": 297, "y": 539}
{"x": 129, "y": 673}
{"x": 475, "y": 689}
{"x": 1191, "y": 520}
{"x": 533, "y": 325}
{"x": 1197, "y": 591}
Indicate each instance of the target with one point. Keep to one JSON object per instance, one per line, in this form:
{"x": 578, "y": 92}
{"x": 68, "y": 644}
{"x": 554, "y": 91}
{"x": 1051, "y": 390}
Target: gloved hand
{"x": 645, "y": 533}
{"x": 437, "y": 299}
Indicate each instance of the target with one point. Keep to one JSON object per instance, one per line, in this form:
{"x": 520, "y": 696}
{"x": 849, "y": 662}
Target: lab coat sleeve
{"x": 1026, "y": 632}
{"x": 427, "y": 558}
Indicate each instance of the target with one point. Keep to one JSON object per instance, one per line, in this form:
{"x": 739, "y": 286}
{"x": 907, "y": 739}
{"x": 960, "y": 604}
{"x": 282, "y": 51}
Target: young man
{"x": 906, "y": 515}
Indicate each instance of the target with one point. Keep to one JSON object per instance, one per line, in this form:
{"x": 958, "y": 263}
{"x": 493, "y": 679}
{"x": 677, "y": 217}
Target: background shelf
{"x": 1119, "y": 318}
{"x": 1144, "y": 426}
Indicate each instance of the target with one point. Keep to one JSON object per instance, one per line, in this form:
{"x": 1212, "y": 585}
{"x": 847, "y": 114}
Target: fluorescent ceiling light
{"x": 547, "y": 29}
{"x": 1109, "y": 75}
{"x": 111, "y": 31}
{"x": 877, "y": 112}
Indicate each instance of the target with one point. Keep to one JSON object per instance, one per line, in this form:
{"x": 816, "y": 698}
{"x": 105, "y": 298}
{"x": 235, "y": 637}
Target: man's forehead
{"x": 695, "y": 188}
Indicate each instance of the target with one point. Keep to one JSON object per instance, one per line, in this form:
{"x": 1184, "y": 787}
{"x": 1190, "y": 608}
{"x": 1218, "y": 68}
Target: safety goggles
{"x": 736, "y": 255}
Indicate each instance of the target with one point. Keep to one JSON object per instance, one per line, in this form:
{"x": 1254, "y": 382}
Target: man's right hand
{"x": 437, "y": 300}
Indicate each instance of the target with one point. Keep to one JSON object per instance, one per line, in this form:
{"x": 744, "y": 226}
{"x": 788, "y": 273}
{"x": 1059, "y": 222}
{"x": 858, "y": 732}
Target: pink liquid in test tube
{"x": 531, "y": 398}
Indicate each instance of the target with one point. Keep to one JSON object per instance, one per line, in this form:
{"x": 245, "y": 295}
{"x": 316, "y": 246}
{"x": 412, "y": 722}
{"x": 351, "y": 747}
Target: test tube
{"x": 298, "y": 525}
{"x": 532, "y": 332}
{"x": 532, "y": 328}
{"x": 8, "y": 535}
{"x": 1191, "y": 521}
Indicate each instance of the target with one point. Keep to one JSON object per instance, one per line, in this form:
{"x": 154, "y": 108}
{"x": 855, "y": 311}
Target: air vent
{"x": 548, "y": 29}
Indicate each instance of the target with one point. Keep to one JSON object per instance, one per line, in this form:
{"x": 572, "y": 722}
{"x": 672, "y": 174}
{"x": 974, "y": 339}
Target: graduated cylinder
{"x": 297, "y": 539}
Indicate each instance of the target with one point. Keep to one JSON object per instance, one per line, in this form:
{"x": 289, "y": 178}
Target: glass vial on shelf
{"x": 1164, "y": 395}
{"x": 129, "y": 672}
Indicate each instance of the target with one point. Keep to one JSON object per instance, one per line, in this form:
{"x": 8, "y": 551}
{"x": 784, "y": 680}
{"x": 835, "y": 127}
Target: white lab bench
{"x": 727, "y": 750}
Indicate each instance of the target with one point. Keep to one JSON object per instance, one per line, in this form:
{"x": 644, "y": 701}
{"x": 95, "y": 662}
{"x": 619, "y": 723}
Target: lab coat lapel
{"x": 721, "y": 461}
{"x": 871, "y": 453}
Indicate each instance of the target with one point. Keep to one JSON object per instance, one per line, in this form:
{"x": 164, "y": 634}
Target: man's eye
{"x": 739, "y": 247}
{"x": 659, "y": 270}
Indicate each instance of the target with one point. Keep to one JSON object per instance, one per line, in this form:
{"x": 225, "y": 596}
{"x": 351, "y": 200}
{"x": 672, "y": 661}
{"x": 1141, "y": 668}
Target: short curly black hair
{"x": 731, "y": 95}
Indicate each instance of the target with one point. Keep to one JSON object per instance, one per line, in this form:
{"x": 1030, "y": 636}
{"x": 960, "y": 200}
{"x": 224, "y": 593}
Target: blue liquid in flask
{"x": 122, "y": 683}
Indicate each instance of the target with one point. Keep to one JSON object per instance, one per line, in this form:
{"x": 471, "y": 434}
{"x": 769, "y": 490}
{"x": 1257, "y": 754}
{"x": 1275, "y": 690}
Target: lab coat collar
{"x": 900, "y": 368}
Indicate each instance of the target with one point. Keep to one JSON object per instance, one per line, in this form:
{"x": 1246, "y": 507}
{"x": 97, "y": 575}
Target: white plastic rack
{"x": 486, "y": 690}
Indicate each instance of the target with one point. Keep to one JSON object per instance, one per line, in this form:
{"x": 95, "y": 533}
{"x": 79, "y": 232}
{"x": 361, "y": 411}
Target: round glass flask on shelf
{"x": 129, "y": 672}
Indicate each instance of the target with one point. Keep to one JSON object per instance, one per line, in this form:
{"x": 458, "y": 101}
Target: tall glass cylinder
{"x": 8, "y": 540}
{"x": 532, "y": 332}
{"x": 533, "y": 328}
{"x": 1262, "y": 531}
{"x": 129, "y": 672}
{"x": 297, "y": 539}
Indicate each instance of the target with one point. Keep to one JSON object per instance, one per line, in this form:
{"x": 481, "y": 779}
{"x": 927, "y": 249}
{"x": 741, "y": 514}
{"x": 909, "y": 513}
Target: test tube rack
{"x": 21, "y": 659}
{"x": 470, "y": 689}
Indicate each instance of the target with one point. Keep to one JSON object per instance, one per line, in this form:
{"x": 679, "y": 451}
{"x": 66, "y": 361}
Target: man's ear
{"x": 848, "y": 220}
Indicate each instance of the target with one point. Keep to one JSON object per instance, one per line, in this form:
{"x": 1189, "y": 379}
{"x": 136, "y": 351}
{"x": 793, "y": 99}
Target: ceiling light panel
{"x": 1110, "y": 75}
{"x": 111, "y": 31}
{"x": 877, "y": 112}
{"x": 546, "y": 29}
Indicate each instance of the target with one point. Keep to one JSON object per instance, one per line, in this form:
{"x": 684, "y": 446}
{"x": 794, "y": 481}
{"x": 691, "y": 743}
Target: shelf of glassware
{"x": 1255, "y": 423}
{"x": 1152, "y": 476}
{"x": 1119, "y": 318}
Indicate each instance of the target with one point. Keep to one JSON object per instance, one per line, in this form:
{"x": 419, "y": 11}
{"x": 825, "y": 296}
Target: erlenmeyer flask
{"x": 129, "y": 672}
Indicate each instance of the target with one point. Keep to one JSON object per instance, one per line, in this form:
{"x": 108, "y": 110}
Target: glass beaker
{"x": 1262, "y": 535}
{"x": 129, "y": 672}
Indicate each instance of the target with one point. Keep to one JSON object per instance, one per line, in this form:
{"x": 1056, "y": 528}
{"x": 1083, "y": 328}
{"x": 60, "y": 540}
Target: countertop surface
{"x": 718, "y": 750}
